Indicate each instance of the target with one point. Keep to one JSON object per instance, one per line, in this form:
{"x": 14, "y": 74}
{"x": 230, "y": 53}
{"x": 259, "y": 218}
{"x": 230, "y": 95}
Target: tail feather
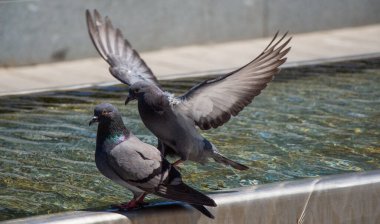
{"x": 184, "y": 193}
{"x": 221, "y": 159}
{"x": 203, "y": 210}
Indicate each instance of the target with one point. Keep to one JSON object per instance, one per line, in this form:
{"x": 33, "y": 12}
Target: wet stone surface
{"x": 311, "y": 121}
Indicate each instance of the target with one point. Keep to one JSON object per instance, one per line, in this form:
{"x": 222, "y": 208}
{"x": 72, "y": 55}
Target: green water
{"x": 310, "y": 121}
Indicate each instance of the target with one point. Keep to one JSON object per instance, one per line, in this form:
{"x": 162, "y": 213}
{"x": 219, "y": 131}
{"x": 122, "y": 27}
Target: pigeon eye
{"x": 135, "y": 90}
{"x": 106, "y": 113}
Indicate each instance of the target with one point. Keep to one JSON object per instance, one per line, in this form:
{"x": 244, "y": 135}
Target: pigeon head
{"x": 105, "y": 113}
{"x": 139, "y": 89}
{"x": 111, "y": 129}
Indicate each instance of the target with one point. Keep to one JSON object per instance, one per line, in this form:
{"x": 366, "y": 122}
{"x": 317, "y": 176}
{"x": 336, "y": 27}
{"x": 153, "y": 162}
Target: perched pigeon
{"x": 123, "y": 158}
{"x": 207, "y": 105}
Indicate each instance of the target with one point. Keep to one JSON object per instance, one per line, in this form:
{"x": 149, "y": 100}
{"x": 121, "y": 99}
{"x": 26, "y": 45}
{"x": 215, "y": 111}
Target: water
{"x": 310, "y": 121}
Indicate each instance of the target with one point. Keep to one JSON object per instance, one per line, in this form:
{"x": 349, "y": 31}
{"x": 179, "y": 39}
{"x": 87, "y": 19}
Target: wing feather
{"x": 212, "y": 103}
{"x": 125, "y": 63}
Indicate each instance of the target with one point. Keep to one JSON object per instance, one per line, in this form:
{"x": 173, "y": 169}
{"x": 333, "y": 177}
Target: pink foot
{"x": 127, "y": 206}
{"x": 140, "y": 200}
{"x": 134, "y": 203}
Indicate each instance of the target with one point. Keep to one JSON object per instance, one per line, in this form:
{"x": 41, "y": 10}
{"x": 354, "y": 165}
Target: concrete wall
{"x": 347, "y": 198}
{"x": 38, "y": 31}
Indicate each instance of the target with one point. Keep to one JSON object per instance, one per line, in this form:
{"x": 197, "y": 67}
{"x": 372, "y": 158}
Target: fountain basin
{"x": 311, "y": 121}
{"x": 345, "y": 198}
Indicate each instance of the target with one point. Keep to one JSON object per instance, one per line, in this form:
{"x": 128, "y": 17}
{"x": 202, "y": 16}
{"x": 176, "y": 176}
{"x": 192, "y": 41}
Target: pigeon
{"x": 209, "y": 104}
{"x": 140, "y": 167}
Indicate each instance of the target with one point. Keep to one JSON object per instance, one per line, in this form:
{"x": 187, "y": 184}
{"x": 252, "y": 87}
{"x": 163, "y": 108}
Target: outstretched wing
{"x": 213, "y": 102}
{"x": 125, "y": 63}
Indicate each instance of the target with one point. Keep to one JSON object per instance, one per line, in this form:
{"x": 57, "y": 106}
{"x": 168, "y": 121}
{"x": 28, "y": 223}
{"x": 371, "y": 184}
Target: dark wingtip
{"x": 244, "y": 167}
{"x": 96, "y": 13}
{"x": 88, "y": 18}
{"x": 98, "y": 17}
{"x": 108, "y": 21}
{"x": 203, "y": 210}
{"x": 239, "y": 166}
{"x": 276, "y": 34}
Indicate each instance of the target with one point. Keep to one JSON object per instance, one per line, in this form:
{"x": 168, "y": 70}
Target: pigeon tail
{"x": 221, "y": 159}
{"x": 184, "y": 193}
{"x": 203, "y": 210}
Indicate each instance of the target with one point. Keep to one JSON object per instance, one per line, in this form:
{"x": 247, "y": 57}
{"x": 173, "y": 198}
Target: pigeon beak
{"x": 93, "y": 120}
{"x": 129, "y": 98}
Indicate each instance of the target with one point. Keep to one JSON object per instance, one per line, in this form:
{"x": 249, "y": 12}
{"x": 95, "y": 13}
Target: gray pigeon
{"x": 207, "y": 105}
{"x": 140, "y": 167}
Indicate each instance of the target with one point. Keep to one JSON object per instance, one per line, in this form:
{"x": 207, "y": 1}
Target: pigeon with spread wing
{"x": 207, "y": 105}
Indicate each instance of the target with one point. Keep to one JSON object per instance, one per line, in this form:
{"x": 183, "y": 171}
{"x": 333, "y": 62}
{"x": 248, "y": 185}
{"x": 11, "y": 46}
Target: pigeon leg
{"x": 134, "y": 203}
{"x": 127, "y": 206}
{"x": 140, "y": 200}
{"x": 176, "y": 163}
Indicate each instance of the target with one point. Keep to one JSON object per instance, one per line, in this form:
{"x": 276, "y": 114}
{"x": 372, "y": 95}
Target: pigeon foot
{"x": 127, "y": 206}
{"x": 134, "y": 203}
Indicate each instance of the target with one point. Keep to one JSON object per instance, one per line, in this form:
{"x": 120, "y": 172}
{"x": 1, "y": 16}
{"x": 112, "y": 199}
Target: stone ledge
{"x": 194, "y": 60}
{"x": 344, "y": 198}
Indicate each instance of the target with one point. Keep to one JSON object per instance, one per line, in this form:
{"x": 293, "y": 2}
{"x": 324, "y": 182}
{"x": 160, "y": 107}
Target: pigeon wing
{"x": 213, "y": 102}
{"x": 137, "y": 163}
{"x": 141, "y": 165}
{"x": 125, "y": 63}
